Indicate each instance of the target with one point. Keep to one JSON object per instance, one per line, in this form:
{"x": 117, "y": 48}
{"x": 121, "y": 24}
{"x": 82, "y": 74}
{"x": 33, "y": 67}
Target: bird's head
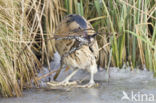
{"x": 74, "y": 23}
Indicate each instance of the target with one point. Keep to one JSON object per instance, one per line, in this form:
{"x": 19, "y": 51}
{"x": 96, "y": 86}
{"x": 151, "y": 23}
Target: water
{"x": 110, "y": 90}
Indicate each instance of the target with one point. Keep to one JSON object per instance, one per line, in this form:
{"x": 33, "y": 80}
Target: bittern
{"x": 78, "y": 46}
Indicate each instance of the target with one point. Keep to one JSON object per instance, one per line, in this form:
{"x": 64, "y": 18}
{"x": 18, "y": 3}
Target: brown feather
{"x": 85, "y": 55}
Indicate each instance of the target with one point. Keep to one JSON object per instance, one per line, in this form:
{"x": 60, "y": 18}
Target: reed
{"x": 127, "y": 35}
{"x": 24, "y": 26}
{"x": 128, "y": 25}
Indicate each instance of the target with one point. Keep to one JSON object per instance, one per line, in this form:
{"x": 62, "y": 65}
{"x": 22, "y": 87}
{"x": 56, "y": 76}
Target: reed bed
{"x": 128, "y": 26}
{"x": 23, "y": 48}
{"x": 127, "y": 36}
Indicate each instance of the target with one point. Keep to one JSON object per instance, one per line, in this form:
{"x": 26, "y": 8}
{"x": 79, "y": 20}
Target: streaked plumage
{"x": 86, "y": 55}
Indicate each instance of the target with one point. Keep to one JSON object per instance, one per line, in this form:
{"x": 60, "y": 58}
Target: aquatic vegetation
{"x": 127, "y": 35}
{"x": 21, "y": 50}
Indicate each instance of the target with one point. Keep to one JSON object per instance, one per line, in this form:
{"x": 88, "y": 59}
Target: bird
{"x": 77, "y": 46}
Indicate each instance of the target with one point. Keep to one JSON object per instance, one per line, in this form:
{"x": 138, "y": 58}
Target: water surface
{"x": 137, "y": 81}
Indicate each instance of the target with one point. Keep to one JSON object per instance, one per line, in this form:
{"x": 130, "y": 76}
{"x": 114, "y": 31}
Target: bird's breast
{"x": 81, "y": 58}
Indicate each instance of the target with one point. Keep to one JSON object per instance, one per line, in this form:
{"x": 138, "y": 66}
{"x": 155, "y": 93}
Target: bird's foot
{"x": 63, "y": 83}
{"x": 66, "y": 83}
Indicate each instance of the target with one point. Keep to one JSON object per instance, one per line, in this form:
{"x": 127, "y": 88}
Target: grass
{"x": 127, "y": 35}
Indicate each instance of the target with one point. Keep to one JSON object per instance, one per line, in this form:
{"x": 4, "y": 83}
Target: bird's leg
{"x": 59, "y": 70}
{"x": 61, "y": 65}
{"x": 65, "y": 82}
{"x": 92, "y": 70}
{"x": 91, "y": 82}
